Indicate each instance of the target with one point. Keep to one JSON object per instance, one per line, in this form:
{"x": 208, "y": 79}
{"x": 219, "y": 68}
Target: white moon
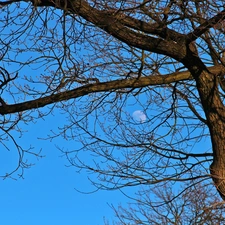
{"x": 139, "y": 116}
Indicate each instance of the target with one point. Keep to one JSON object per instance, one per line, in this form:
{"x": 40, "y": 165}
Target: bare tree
{"x": 92, "y": 60}
{"x": 196, "y": 205}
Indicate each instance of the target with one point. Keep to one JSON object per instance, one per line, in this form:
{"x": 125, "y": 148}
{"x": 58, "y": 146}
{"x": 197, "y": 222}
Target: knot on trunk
{"x": 218, "y": 177}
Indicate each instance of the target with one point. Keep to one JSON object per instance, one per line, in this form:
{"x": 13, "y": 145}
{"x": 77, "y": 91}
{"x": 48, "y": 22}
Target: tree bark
{"x": 207, "y": 85}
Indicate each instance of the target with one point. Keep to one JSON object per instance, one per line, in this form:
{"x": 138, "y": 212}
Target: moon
{"x": 139, "y": 116}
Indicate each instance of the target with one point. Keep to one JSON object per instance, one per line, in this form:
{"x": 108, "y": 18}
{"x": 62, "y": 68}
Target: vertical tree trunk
{"x": 217, "y": 131}
{"x": 207, "y": 85}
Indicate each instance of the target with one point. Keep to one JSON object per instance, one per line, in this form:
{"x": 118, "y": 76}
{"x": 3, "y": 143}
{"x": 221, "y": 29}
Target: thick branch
{"x": 113, "y": 24}
{"x": 124, "y": 28}
{"x": 103, "y": 87}
{"x": 205, "y": 26}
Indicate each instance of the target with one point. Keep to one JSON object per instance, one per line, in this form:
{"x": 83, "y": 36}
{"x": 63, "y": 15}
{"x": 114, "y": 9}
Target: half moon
{"x": 139, "y": 116}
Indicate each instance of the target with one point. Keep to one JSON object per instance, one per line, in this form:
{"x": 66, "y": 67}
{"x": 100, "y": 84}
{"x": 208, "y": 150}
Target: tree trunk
{"x": 207, "y": 85}
{"x": 217, "y": 131}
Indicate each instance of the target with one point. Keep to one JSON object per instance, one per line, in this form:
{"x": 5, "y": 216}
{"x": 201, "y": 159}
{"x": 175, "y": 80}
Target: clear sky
{"x": 47, "y": 193}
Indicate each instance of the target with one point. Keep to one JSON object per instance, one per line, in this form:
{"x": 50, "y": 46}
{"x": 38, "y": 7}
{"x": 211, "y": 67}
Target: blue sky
{"x": 46, "y": 195}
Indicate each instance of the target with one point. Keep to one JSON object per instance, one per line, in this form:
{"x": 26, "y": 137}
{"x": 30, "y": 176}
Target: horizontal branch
{"x": 115, "y": 85}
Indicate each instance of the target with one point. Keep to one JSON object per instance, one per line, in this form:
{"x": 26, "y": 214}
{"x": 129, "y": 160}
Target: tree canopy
{"x": 93, "y": 60}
